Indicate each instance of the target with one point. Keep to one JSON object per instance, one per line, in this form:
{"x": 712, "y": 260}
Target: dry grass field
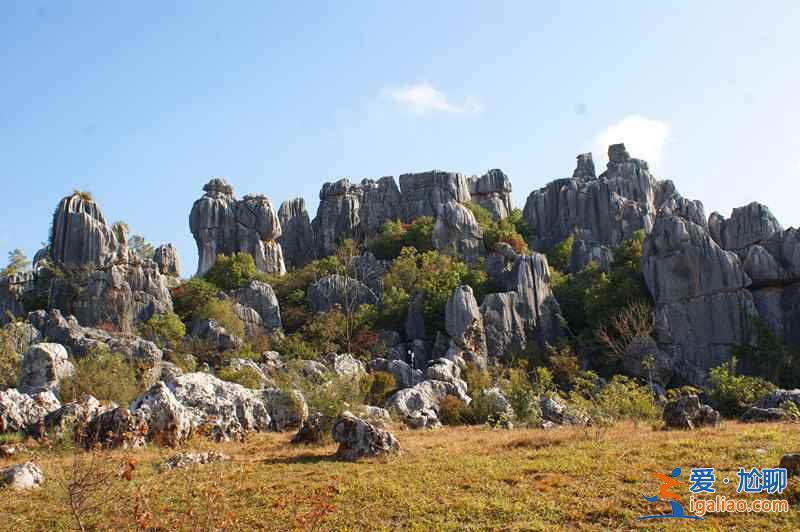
{"x": 467, "y": 478}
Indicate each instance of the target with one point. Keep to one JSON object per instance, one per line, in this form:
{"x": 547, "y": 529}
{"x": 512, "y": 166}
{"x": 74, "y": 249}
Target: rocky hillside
{"x": 432, "y": 291}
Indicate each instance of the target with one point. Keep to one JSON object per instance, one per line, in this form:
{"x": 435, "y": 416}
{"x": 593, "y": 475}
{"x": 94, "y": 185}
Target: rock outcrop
{"x": 44, "y": 365}
{"x": 456, "y": 232}
{"x": 703, "y": 307}
{"x": 166, "y": 257}
{"x": 297, "y": 235}
{"x": 402, "y": 372}
{"x": 222, "y": 224}
{"x": 261, "y": 298}
{"x": 492, "y": 191}
{"x": 80, "y": 234}
{"x": 423, "y": 194}
{"x": 687, "y": 412}
{"x": 360, "y": 439}
{"x": 418, "y": 406}
{"x": 19, "y": 411}
{"x": 464, "y": 325}
{"x": 601, "y": 212}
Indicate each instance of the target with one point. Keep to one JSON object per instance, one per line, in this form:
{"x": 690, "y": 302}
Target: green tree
{"x": 731, "y": 393}
{"x": 163, "y": 329}
{"x": 395, "y": 235}
{"x": 230, "y": 272}
{"x": 558, "y": 256}
{"x": 496, "y": 231}
{"x": 189, "y": 297}
{"x": 17, "y": 263}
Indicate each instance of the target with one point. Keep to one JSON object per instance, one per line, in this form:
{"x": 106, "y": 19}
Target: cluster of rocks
{"x": 687, "y": 412}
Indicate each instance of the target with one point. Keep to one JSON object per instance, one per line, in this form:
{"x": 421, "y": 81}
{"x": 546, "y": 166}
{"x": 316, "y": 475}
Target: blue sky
{"x": 141, "y": 102}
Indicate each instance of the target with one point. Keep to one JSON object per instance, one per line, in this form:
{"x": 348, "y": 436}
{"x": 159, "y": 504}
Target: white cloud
{"x": 424, "y": 98}
{"x": 644, "y": 138}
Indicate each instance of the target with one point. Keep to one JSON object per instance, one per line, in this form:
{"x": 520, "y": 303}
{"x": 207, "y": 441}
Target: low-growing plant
{"x": 13, "y": 340}
{"x": 621, "y": 399}
{"x": 246, "y": 376}
{"x": 222, "y": 312}
{"x": 189, "y": 297}
{"x": 453, "y": 411}
{"x": 231, "y": 272}
{"x": 523, "y": 395}
{"x": 103, "y": 374}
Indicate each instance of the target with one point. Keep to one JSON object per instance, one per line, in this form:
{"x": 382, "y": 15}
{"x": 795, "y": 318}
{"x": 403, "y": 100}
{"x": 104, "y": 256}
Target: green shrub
{"x": 558, "y": 256}
{"x": 476, "y": 378}
{"x": 396, "y": 235}
{"x": 246, "y": 376}
{"x": 222, "y": 312}
{"x": 730, "y": 393}
{"x": 230, "y": 272}
{"x": 189, "y": 297}
{"x": 382, "y": 386}
{"x": 523, "y": 395}
{"x": 104, "y": 375}
{"x": 163, "y": 329}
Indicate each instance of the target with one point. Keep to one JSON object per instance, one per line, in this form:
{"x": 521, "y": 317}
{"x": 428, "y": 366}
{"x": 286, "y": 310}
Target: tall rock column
{"x": 297, "y": 237}
{"x": 221, "y": 224}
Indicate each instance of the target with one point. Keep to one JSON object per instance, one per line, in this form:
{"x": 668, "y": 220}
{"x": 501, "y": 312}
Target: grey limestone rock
{"x": 44, "y": 365}
{"x": 336, "y": 289}
{"x": 297, "y": 236}
{"x": 360, "y": 439}
{"x": 166, "y": 257}
{"x": 260, "y": 297}
{"x": 456, "y": 231}
{"x": 687, "y": 412}
{"x": 25, "y": 476}
{"x": 492, "y": 191}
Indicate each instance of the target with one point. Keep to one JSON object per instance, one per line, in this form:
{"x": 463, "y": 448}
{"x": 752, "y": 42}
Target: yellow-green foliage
{"x": 13, "y": 340}
{"x": 730, "y": 393}
{"x": 621, "y": 399}
{"x": 395, "y": 235}
{"x": 104, "y": 375}
{"x": 246, "y": 376}
{"x": 382, "y": 385}
{"x": 163, "y": 329}
{"x": 222, "y": 312}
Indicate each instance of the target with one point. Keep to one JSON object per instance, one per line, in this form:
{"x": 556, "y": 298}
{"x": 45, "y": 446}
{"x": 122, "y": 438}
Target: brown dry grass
{"x": 467, "y": 478}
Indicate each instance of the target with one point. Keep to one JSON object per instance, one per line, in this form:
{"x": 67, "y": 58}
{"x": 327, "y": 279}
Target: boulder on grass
{"x": 688, "y": 413}
{"x": 755, "y": 414}
{"x": 791, "y": 462}
{"x": 44, "y": 365}
{"x": 359, "y": 439}
{"x": 184, "y": 460}
{"x": 25, "y": 476}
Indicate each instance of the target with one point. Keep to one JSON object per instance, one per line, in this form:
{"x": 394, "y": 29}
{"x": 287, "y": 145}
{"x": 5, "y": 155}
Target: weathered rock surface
{"x": 602, "y": 210}
{"x": 314, "y": 429}
{"x": 297, "y": 237}
{"x": 221, "y": 224}
{"x": 217, "y": 336}
{"x": 122, "y": 294}
{"x": 115, "y": 428}
{"x": 336, "y": 289}
{"x": 261, "y": 297}
{"x": 80, "y": 234}
{"x": 505, "y": 330}
{"x": 457, "y": 232}
{"x": 442, "y": 369}
{"x": 703, "y": 308}
{"x": 348, "y": 210}
{"x": 633, "y": 361}
{"x": 359, "y": 439}
{"x": 419, "y": 405}
{"x": 18, "y": 411}
{"x": 492, "y": 191}
{"x": 175, "y": 407}
{"x": 777, "y": 398}
{"x": 44, "y": 365}
{"x": 69, "y": 416}
{"x": 496, "y": 403}
{"x": 748, "y": 225}
{"x": 346, "y": 365}
{"x": 167, "y": 260}
{"x": 687, "y": 412}
{"x": 12, "y": 290}
{"x": 464, "y": 324}
{"x": 555, "y": 410}
{"x": 424, "y": 193}
{"x": 25, "y": 476}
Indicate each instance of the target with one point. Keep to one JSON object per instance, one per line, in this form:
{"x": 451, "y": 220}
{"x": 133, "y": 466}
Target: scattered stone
{"x": 755, "y": 414}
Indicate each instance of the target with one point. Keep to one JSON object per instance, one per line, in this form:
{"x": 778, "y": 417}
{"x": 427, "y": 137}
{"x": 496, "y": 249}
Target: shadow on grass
{"x": 305, "y": 458}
